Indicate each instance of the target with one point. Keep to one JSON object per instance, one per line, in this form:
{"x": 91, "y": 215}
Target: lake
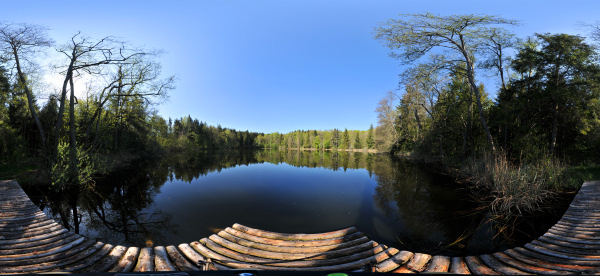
{"x": 185, "y": 197}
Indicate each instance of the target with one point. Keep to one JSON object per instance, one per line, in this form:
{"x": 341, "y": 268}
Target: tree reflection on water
{"x": 426, "y": 214}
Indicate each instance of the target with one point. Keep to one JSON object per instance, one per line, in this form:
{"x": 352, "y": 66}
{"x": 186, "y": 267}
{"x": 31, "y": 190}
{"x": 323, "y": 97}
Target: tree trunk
{"x": 30, "y": 102}
{"x": 500, "y": 67}
{"x": 554, "y": 129}
{"x": 418, "y": 120}
{"x": 471, "y": 78}
{"x": 61, "y": 108}
{"x": 73, "y": 162}
{"x": 73, "y": 202}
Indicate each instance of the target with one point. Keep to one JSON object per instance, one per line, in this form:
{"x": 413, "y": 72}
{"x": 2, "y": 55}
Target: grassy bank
{"x": 510, "y": 187}
{"x": 514, "y": 188}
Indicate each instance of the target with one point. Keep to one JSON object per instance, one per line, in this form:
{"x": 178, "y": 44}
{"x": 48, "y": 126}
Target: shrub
{"x": 62, "y": 174}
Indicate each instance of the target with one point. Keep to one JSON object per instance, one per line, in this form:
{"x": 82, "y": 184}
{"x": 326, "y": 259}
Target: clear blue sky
{"x": 277, "y": 65}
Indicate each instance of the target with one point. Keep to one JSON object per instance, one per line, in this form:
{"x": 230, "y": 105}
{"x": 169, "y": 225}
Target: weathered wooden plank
{"x": 503, "y": 257}
{"x": 127, "y": 262}
{"x": 56, "y": 242}
{"x": 211, "y": 256}
{"x": 575, "y": 234}
{"x": 22, "y": 219}
{"x": 161, "y": 260}
{"x": 568, "y": 250}
{"x": 458, "y": 266}
{"x": 42, "y": 241}
{"x": 290, "y": 263}
{"x": 17, "y": 211}
{"x": 567, "y": 258}
{"x": 54, "y": 264}
{"x": 404, "y": 270}
{"x": 311, "y": 243}
{"x": 193, "y": 255}
{"x": 39, "y": 254}
{"x": 546, "y": 261}
{"x": 88, "y": 260}
{"x": 16, "y": 222}
{"x": 438, "y": 264}
{"x": 567, "y": 244}
{"x": 145, "y": 261}
{"x": 73, "y": 249}
{"x": 395, "y": 261}
{"x": 179, "y": 260}
{"x": 16, "y": 242}
{"x": 567, "y": 239}
{"x": 579, "y": 220}
{"x": 419, "y": 262}
{"x": 259, "y": 243}
{"x": 286, "y": 236}
{"x": 477, "y": 267}
{"x": 229, "y": 262}
{"x": 570, "y": 225}
{"x": 108, "y": 261}
{"x": 27, "y": 227}
{"x": 383, "y": 256}
{"x": 31, "y": 233}
{"x": 11, "y": 198}
{"x": 590, "y": 230}
{"x": 290, "y": 256}
{"x": 498, "y": 266}
{"x": 14, "y": 210}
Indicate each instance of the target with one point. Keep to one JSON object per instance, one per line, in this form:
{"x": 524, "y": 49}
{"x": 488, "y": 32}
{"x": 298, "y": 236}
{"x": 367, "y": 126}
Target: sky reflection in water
{"x": 185, "y": 198}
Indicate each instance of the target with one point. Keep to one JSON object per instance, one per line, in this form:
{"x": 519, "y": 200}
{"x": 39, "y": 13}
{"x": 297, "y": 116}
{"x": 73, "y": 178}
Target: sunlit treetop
{"x": 413, "y": 35}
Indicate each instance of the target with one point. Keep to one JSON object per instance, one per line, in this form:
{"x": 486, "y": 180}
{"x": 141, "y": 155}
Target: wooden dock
{"x": 30, "y": 242}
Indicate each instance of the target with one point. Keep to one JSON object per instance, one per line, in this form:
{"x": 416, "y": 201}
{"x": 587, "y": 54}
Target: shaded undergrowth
{"x": 514, "y": 188}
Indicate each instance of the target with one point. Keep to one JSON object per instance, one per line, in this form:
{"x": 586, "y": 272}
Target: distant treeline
{"x": 319, "y": 140}
{"x": 188, "y": 133}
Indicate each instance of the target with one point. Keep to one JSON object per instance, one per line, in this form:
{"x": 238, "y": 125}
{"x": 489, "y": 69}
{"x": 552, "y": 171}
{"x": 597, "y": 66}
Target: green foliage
{"x": 461, "y": 36}
{"x": 313, "y": 139}
{"x": 357, "y": 141}
{"x": 11, "y": 142}
{"x": 190, "y": 134}
{"x": 415, "y": 34}
{"x": 548, "y": 108}
{"x": 552, "y": 106}
{"x": 370, "y": 138}
{"x": 345, "y": 140}
{"x": 62, "y": 170}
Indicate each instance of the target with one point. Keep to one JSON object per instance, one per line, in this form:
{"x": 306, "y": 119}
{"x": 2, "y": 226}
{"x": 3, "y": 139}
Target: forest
{"x": 537, "y": 137}
{"x": 537, "y": 134}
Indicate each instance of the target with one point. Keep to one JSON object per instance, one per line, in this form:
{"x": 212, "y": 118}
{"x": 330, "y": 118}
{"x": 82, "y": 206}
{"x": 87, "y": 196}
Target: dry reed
{"x": 515, "y": 188}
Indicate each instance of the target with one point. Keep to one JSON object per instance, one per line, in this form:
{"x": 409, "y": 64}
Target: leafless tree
{"x": 19, "y": 44}
{"x": 386, "y": 120}
{"x": 139, "y": 78}
{"x": 87, "y": 56}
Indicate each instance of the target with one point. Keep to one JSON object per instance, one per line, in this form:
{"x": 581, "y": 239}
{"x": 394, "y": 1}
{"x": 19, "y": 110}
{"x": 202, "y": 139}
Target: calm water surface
{"x": 187, "y": 197}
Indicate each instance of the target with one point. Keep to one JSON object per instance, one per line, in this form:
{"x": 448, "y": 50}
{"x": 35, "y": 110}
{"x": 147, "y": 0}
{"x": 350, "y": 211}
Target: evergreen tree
{"x": 335, "y": 138}
{"x": 345, "y": 140}
{"x": 370, "y": 138}
{"x": 357, "y": 142}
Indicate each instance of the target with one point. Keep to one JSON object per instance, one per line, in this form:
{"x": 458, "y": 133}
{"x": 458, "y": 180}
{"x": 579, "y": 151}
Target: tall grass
{"x": 518, "y": 187}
